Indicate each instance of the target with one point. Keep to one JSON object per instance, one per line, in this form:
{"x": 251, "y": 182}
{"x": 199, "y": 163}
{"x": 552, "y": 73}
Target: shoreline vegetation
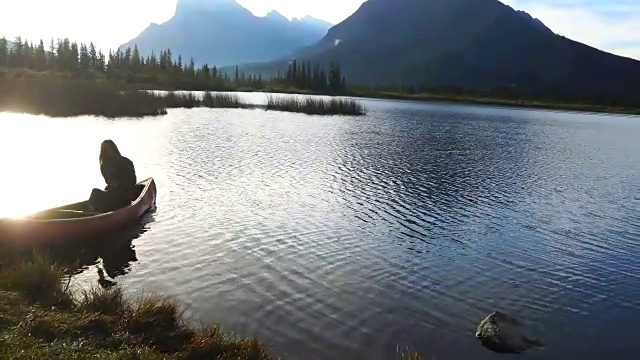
{"x": 66, "y": 78}
{"x": 63, "y": 98}
{"x": 41, "y": 317}
{"x": 57, "y": 97}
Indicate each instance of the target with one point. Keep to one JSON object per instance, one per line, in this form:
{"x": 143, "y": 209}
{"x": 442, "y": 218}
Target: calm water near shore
{"x": 347, "y": 237}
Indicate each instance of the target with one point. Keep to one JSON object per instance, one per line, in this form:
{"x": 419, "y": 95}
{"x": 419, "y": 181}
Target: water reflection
{"x": 113, "y": 254}
{"x": 344, "y": 238}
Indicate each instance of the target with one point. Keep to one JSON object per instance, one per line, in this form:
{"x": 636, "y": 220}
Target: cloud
{"x": 613, "y": 26}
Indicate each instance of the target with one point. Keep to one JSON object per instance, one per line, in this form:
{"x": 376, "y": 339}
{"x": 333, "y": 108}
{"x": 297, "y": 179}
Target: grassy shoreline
{"x": 40, "y": 318}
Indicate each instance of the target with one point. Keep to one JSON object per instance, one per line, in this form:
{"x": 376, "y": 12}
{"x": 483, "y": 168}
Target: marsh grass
{"x": 189, "y": 100}
{"x": 222, "y": 100}
{"x": 176, "y": 100}
{"x": 315, "y": 105}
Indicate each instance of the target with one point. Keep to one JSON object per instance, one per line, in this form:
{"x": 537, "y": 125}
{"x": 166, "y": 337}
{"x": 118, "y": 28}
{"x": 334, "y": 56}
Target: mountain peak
{"x": 199, "y": 5}
{"x": 223, "y": 32}
{"x": 310, "y": 20}
{"x": 275, "y": 15}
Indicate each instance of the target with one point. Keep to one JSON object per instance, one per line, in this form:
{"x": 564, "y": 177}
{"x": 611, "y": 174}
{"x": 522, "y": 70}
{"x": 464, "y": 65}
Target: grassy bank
{"x": 39, "y": 318}
{"x": 315, "y": 106}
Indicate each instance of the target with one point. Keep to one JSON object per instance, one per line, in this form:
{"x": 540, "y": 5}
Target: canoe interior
{"x": 77, "y": 210}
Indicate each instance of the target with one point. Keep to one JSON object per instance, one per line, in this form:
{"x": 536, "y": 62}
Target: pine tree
{"x": 93, "y": 56}
{"x": 84, "y": 58}
{"x": 27, "y": 56}
{"x": 135, "y": 58}
{"x": 41, "y": 57}
{"x": 101, "y": 61}
{"x": 74, "y": 56}
{"x": 192, "y": 68}
{"x": 15, "y": 55}
{"x": 335, "y": 78}
{"x": 51, "y": 56}
{"x": 4, "y": 52}
{"x": 294, "y": 72}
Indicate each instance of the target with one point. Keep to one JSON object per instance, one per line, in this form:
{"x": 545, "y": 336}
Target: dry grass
{"x": 406, "y": 354}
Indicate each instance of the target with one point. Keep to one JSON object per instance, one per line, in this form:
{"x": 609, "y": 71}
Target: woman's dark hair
{"x": 108, "y": 150}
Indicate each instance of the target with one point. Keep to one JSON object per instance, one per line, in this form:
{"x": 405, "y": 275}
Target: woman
{"x": 119, "y": 174}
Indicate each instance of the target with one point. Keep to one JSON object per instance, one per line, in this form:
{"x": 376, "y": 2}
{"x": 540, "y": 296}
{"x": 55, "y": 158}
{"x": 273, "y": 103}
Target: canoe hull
{"x": 44, "y": 227}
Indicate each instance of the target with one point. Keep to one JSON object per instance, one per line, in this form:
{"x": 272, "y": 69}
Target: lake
{"x": 350, "y": 237}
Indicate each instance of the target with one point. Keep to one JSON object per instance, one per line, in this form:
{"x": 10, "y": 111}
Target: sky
{"x": 611, "y": 25}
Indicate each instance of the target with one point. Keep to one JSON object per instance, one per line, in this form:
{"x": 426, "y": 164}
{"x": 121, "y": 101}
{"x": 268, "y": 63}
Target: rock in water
{"x": 502, "y": 333}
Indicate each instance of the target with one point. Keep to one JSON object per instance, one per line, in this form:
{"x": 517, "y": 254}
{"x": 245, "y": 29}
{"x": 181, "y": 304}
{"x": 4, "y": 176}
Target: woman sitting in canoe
{"x": 119, "y": 174}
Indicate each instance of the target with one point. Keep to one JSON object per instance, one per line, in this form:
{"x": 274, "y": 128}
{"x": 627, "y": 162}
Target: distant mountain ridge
{"x": 466, "y": 43}
{"x": 222, "y": 32}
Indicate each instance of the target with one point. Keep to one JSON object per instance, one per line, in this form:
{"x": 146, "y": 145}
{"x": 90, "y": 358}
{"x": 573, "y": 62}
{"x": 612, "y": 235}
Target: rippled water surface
{"x": 336, "y": 238}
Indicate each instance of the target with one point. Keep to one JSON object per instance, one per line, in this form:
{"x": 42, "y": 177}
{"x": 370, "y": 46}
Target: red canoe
{"x": 74, "y": 222}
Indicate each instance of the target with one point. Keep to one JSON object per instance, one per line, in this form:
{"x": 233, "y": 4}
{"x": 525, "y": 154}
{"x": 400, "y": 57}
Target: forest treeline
{"x": 62, "y": 59}
{"x": 86, "y": 62}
